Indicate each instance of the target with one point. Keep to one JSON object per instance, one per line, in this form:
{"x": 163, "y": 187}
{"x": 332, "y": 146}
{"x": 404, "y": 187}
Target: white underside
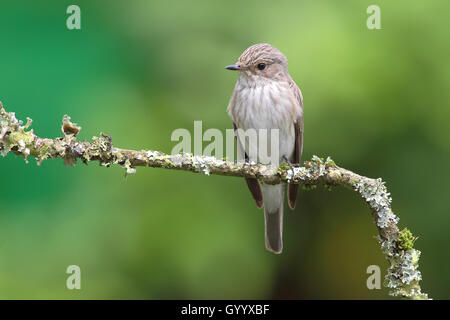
{"x": 255, "y": 108}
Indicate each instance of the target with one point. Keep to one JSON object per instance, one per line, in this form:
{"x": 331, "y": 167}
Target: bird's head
{"x": 261, "y": 61}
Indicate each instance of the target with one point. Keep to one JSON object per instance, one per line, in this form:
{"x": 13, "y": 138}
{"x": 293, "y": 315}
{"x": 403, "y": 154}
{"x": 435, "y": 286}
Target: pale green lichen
{"x": 167, "y": 163}
{"x": 203, "y": 164}
{"x": 117, "y": 156}
{"x": 379, "y": 200}
{"x": 13, "y": 134}
{"x": 99, "y": 148}
{"x": 313, "y": 170}
{"x": 284, "y": 167}
{"x": 283, "y": 170}
{"x": 403, "y": 276}
{"x": 43, "y": 154}
{"x": 129, "y": 169}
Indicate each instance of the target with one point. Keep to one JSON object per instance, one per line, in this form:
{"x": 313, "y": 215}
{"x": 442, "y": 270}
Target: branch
{"x": 403, "y": 275}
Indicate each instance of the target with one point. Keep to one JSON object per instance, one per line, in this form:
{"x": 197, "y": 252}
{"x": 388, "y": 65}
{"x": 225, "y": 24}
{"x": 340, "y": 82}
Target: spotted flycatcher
{"x": 266, "y": 97}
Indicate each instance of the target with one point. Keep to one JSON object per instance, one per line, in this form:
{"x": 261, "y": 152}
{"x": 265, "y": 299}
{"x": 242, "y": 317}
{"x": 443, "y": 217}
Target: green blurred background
{"x": 376, "y": 101}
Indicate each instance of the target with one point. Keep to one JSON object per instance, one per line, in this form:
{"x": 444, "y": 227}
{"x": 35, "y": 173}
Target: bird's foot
{"x": 289, "y": 163}
{"x": 244, "y": 165}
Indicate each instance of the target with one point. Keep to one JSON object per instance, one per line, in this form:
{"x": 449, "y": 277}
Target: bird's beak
{"x": 233, "y": 67}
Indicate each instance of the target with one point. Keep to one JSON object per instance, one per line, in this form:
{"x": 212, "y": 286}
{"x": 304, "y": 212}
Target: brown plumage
{"x": 266, "y": 97}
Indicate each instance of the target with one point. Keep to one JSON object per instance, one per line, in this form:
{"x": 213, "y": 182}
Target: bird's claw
{"x": 289, "y": 163}
{"x": 246, "y": 163}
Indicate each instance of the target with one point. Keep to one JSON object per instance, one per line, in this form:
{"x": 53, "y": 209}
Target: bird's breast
{"x": 266, "y": 106}
{"x": 270, "y": 105}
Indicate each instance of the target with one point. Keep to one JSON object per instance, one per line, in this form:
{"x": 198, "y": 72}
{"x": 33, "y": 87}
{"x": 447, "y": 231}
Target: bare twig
{"x": 403, "y": 275}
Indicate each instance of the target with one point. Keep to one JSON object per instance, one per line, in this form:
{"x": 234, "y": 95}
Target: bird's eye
{"x": 261, "y": 66}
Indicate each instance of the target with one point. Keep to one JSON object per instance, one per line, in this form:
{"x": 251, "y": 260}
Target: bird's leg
{"x": 246, "y": 163}
{"x": 290, "y": 164}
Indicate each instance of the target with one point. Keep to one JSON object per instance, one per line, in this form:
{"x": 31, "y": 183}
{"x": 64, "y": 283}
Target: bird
{"x": 266, "y": 97}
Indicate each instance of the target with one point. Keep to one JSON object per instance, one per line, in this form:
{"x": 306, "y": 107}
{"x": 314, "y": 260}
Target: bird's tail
{"x": 273, "y": 197}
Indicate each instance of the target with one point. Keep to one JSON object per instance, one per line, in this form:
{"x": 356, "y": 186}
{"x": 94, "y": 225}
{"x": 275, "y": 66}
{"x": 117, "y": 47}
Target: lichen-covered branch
{"x": 403, "y": 275}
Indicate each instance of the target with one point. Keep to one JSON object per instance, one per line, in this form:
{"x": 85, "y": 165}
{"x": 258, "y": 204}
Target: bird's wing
{"x": 252, "y": 183}
{"x": 298, "y": 126}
